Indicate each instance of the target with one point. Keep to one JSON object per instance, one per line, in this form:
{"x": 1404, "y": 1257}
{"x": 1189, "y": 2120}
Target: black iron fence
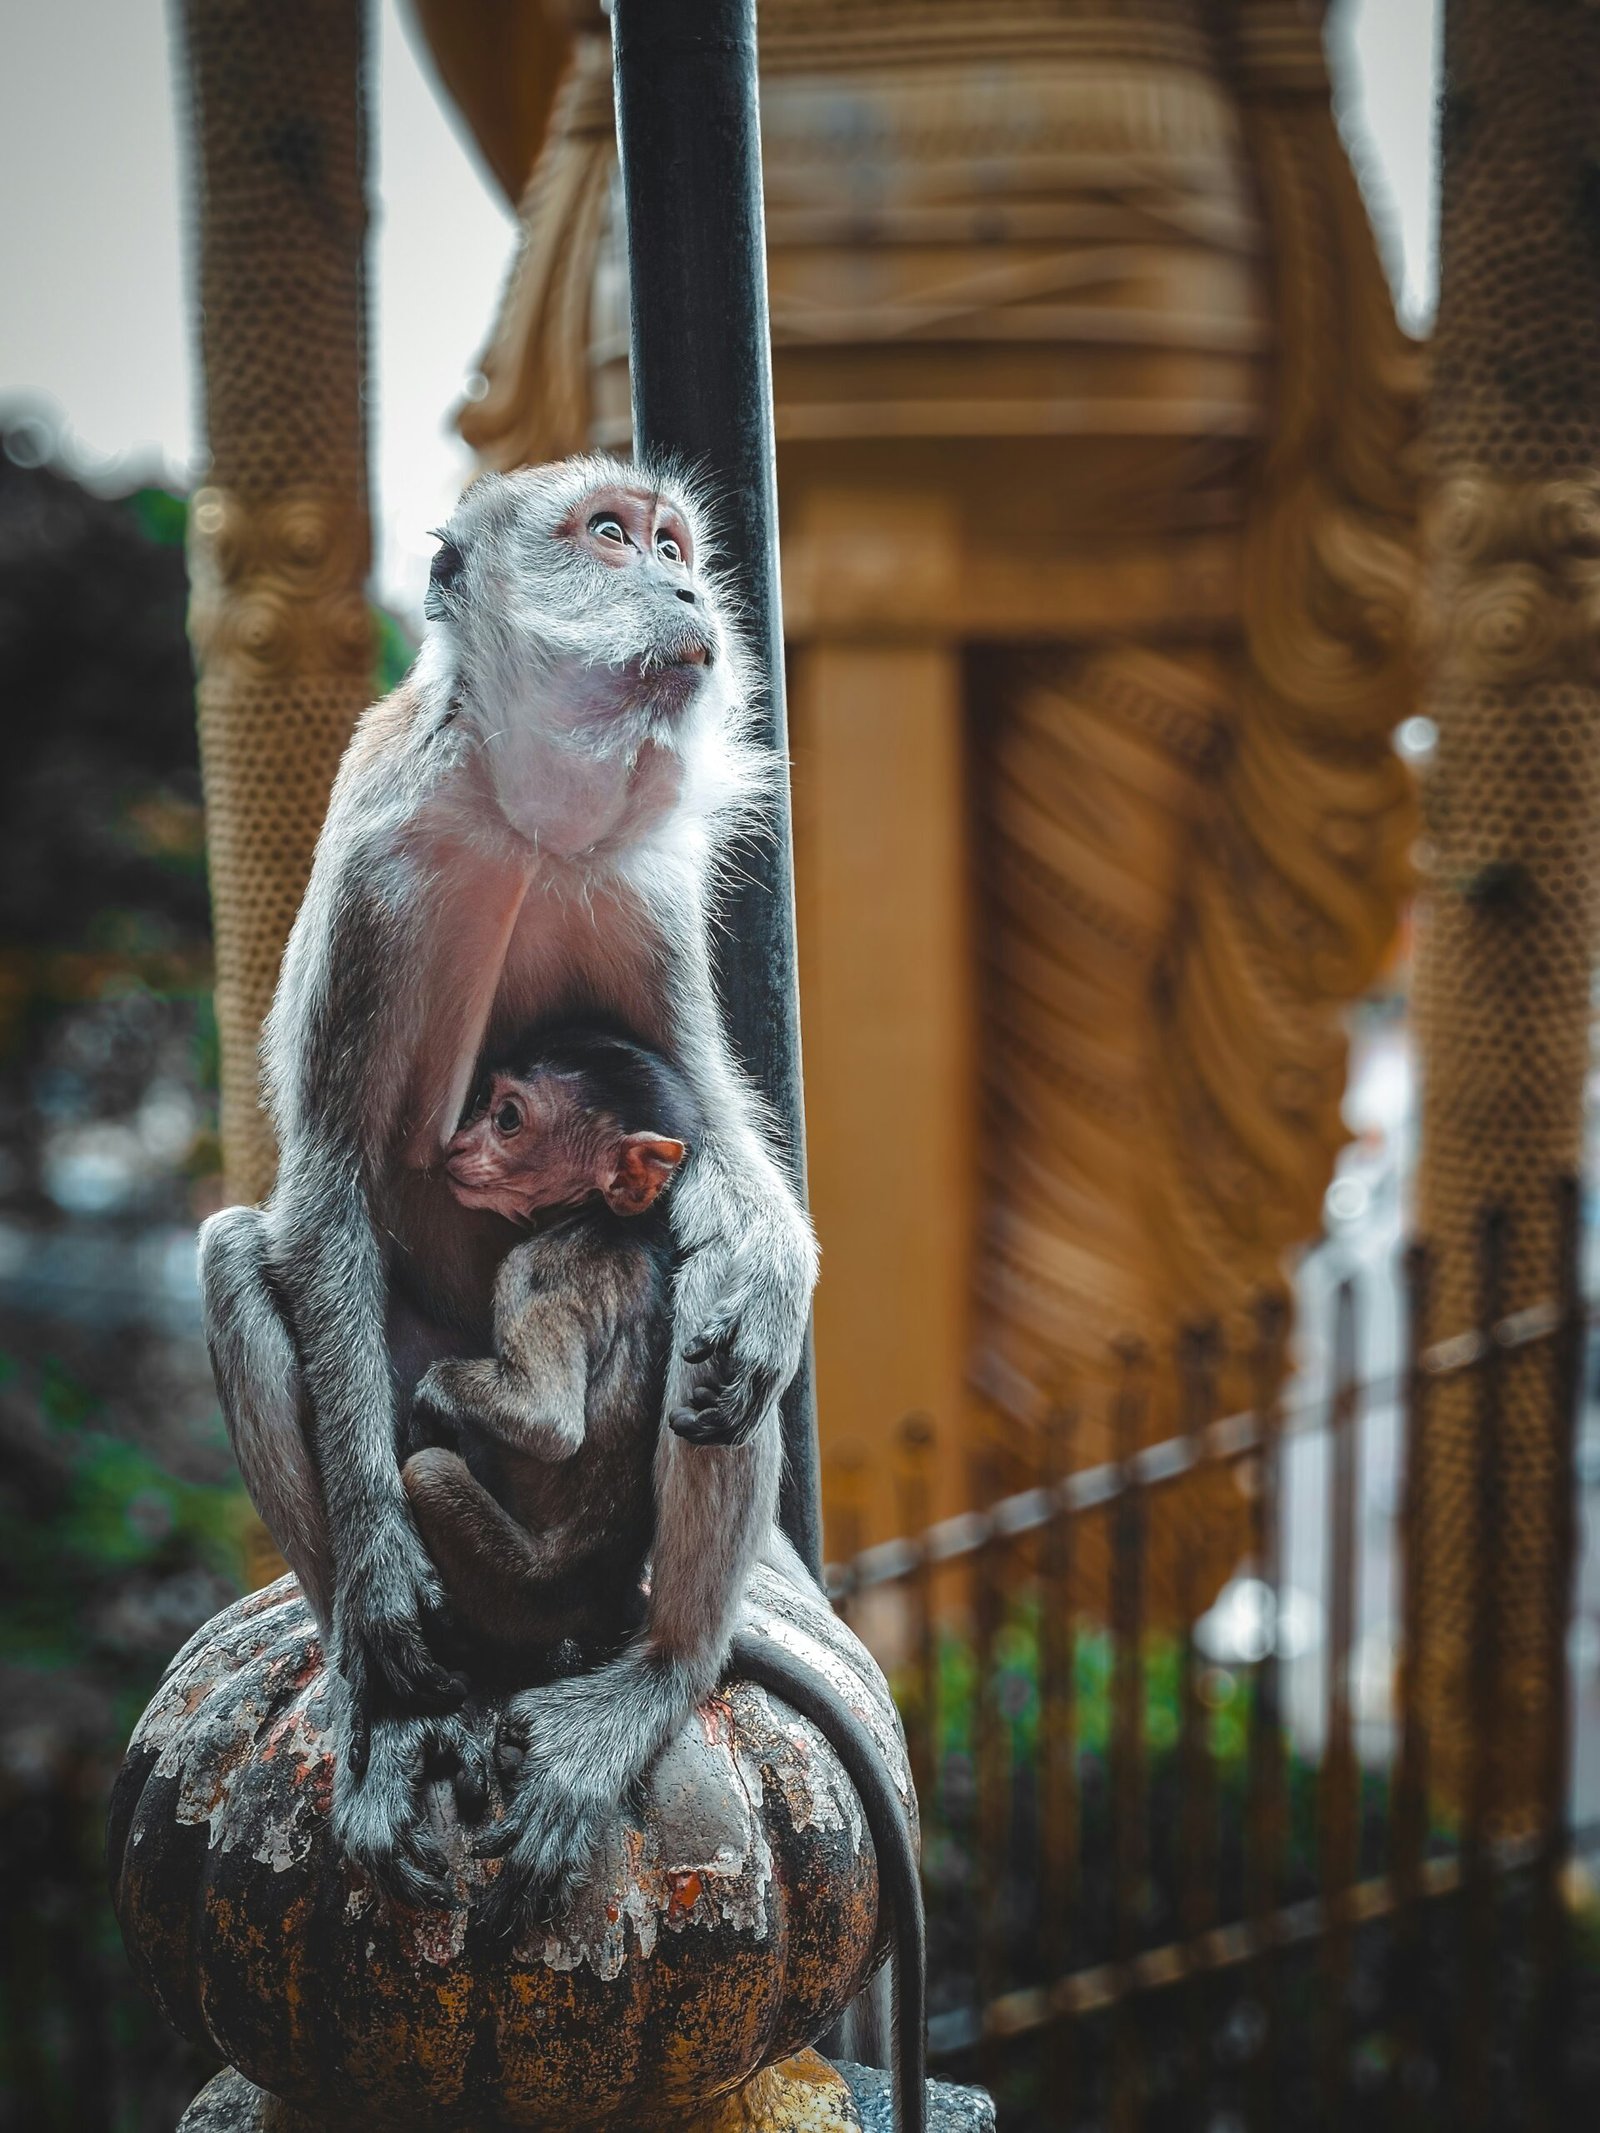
{"x": 1162, "y": 1891}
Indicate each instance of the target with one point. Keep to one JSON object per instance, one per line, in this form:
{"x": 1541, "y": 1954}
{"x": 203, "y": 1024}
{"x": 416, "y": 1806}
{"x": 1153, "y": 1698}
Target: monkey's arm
{"x": 750, "y": 1255}
{"x": 326, "y": 1257}
{"x": 532, "y": 1394}
{"x": 339, "y": 1041}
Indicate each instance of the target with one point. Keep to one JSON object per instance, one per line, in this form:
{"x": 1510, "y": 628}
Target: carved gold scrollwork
{"x": 1515, "y": 590}
{"x": 536, "y": 368}
{"x": 275, "y": 585}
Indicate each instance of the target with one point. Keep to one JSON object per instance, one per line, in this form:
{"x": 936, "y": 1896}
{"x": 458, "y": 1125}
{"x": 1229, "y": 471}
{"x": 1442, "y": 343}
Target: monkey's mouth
{"x": 689, "y": 650}
{"x": 497, "y": 1199}
{"x": 668, "y": 681}
{"x": 469, "y": 1178}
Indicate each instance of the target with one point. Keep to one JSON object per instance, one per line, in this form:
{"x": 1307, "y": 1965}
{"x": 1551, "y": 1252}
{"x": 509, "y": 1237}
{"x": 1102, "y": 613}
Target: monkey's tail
{"x": 770, "y": 1666}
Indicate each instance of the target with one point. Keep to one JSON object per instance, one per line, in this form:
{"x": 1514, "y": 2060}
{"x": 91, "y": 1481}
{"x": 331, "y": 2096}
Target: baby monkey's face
{"x": 545, "y": 1140}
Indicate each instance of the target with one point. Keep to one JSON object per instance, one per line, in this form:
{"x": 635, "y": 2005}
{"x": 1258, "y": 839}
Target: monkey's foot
{"x": 384, "y": 1821}
{"x": 555, "y": 1822}
{"x": 570, "y": 1753}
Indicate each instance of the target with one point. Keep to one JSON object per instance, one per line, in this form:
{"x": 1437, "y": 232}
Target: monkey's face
{"x": 523, "y": 1146}
{"x": 538, "y": 1141}
{"x": 573, "y": 602}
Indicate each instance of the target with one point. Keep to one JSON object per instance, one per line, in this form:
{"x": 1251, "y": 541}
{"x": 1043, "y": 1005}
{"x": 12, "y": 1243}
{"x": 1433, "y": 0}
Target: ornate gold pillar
{"x": 1513, "y": 801}
{"x": 279, "y": 544}
{"x": 878, "y": 726}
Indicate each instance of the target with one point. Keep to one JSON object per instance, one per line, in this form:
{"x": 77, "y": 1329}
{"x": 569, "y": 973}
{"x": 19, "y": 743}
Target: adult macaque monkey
{"x": 527, "y": 829}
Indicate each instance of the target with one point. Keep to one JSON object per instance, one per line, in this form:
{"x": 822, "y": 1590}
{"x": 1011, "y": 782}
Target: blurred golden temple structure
{"x": 1096, "y": 461}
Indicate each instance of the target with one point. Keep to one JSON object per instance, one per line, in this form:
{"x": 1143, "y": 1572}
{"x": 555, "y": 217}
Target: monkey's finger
{"x": 504, "y": 1908}
{"x": 415, "y": 1874}
{"x": 745, "y": 1403}
{"x": 472, "y": 1787}
{"x": 538, "y": 1879}
{"x": 510, "y": 1753}
{"x": 707, "y": 1428}
{"x": 712, "y": 1343}
{"x": 455, "y": 1752}
{"x": 358, "y": 1750}
{"x": 501, "y": 1838}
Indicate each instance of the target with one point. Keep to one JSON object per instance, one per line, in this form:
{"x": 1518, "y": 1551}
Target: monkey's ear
{"x": 645, "y": 1163}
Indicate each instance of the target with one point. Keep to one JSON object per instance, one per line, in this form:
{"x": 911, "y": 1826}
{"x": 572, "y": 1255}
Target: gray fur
{"x": 529, "y": 828}
{"x": 541, "y": 1520}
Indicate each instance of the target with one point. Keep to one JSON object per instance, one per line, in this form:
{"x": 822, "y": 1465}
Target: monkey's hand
{"x": 571, "y": 1755}
{"x": 437, "y": 1393}
{"x": 747, "y": 1336}
{"x": 383, "y": 1611}
{"x": 728, "y": 1397}
{"x": 386, "y": 1823}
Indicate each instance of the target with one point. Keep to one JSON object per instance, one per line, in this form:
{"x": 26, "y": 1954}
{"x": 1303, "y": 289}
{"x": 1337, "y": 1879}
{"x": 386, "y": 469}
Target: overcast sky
{"x": 94, "y": 315}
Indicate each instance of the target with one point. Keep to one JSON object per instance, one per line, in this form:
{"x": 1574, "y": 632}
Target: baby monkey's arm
{"x": 532, "y": 1393}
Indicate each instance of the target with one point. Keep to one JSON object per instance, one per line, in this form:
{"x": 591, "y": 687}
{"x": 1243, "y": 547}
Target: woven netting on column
{"x": 1504, "y": 975}
{"x": 279, "y": 543}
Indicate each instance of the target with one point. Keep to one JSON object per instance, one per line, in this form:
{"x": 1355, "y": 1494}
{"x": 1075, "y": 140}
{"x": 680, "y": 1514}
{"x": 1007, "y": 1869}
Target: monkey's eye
{"x": 668, "y": 549}
{"x": 508, "y": 1119}
{"x": 446, "y": 565}
{"x": 605, "y": 528}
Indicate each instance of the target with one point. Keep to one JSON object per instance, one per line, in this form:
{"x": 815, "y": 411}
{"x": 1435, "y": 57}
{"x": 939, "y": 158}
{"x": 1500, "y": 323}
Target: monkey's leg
{"x": 258, "y": 1383}
{"x": 495, "y": 1572}
{"x": 572, "y": 1750}
{"x": 263, "y": 1401}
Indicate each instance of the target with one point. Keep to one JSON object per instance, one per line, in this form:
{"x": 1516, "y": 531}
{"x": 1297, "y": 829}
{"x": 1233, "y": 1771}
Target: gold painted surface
{"x": 279, "y": 543}
{"x": 503, "y": 59}
{"x": 800, "y": 2095}
{"x": 1508, "y": 931}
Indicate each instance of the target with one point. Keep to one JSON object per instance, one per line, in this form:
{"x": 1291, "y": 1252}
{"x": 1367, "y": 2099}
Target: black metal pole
{"x": 689, "y": 136}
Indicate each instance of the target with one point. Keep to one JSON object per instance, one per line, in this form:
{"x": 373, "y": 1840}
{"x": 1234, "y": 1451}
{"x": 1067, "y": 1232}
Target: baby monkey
{"x": 540, "y": 1518}
{"x": 541, "y": 1521}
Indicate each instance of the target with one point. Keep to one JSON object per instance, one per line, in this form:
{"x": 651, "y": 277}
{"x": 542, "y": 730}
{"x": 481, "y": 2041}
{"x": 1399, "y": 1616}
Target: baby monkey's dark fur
{"x": 540, "y": 1516}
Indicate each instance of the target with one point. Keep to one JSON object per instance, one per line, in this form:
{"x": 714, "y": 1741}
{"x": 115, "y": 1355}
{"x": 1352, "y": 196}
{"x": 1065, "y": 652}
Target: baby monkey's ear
{"x": 644, "y": 1165}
